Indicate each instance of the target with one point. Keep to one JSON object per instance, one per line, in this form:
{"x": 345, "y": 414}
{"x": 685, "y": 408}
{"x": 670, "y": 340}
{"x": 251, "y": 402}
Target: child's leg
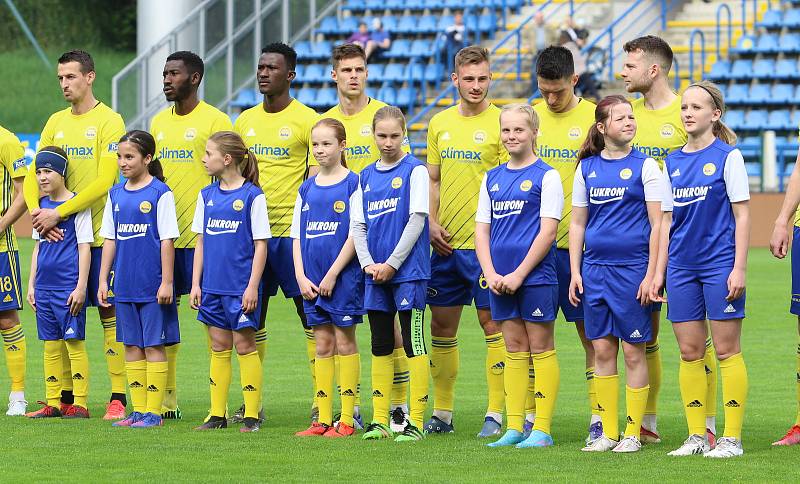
{"x": 220, "y": 369}
{"x": 412, "y": 326}
{"x": 606, "y": 379}
{"x": 157, "y": 368}
{"x": 515, "y": 374}
{"x": 349, "y": 370}
{"x": 250, "y": 370}
{"x": 324, "y": 369}
{"x": 79, "y": 363}
{"x": 136, "y": 369}
{"x": 66, "y": 377}
{"x": 637, "y": 389}
{"x": 382, "y": 328}
{"x": 53, "y": 371}
{"x": 548, "y": 372}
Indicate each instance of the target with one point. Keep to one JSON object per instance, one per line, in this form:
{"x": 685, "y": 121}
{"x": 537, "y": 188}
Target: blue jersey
{"x": 514, "y": 211}
{"x": 139, "y": 220}
{"x": 386, "y": 205}
{"x": 57, "y": 262}
{"x": 618, "y": 228}
{"x": 322, "y": 214}
{"x": 704, "y": 184}
{"x": 229, "y": 221}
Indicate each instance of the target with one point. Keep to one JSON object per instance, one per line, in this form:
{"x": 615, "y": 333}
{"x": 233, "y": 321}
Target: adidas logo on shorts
{"x": 70, "y": 331}
{"x": 592, "y": 175}
{"x": 635, "y": 334}
{"x": 248, "y": 388}
{"x": 677, "y": 172}
{"x": 243, "y": 318}
{"x": 51, "y": 379}
{"x": 347, "y": 318}
{"x": 729, "y": 309}
{"x": 538, "y": 395}
{"x": 348, "y": 393}
{"x": 136, "y": 384}
{"x": 537, "y": 313}
{"x": 152, "y": 388}
{"x": 322, "y": 394}
{"x": 732, "y": 404}
{"x": 7, "y": 298}
{"x": 77, "y": 376}
{"x": 404, "y": 302}
{"x": 694, "y": 404}
{"x": 495, "y": 188}
{"x": 377, "y": 393}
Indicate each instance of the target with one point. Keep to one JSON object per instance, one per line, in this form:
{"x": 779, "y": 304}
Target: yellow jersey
{"x": 12, "y": 161}
{"x": 560, "y": 138}
{"x": 361, "y": 148}
{"x": 281, "y": 142}
{"x": 465, "y": 148}
{"x": 659, "y": 132}
{"x": 90, "y": 141}
{"x": 180, "y": 146}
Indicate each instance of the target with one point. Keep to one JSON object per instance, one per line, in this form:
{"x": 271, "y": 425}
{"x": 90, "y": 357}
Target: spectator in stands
{"x": 587, "y": 84}
{"x": 454, "y": 38}
{"x": 360, "y": 37}
{"x": 379, "y": 41}
{"x": 538, "y": 35}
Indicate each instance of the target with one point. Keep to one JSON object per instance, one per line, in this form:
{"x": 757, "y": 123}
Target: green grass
{"x": 93, "y": 450}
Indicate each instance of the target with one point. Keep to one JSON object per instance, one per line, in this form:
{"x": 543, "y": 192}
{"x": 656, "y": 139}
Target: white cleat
{"x": 628, "y": 444}
{"x": 694, "y": 445}
{"x": 17, "y": 408}
{"x": 600, "y": 444}
{"x": 726, "y": 447}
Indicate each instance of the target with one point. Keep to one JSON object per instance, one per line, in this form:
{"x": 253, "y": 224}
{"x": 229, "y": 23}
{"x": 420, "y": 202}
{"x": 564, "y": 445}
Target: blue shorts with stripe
{"x": 794, "y": 307}
{"x": 225, "y": 312}
{"x": 534, "y": 304}
{"x": 54, "y": 320}
{"x": 147, "y": 324}
{"x": 457, "y": 280}
{"x": 184, "y": 264}
{"x": 697, "y": 294}
{"x": 279, "y": 271}
{"x": 390, "y": 298}
{"x": 316, "y": 316}
{"x": 10, "y": 289}
{"x": 610, "y": 306}
{"x": 564, "y": 273}
{"x": 92, "y": 285}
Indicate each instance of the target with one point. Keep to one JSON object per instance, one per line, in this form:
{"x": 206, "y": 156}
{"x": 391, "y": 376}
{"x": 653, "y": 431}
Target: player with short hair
{"x": 181, "y": 132}
{"x": 140, "y": 227}
{"x": 709, "y": 208}
{"x": 12, "y": 160}
{"x": 88, "y": 131}
{"x": 57, "y": 288}
{"x": 564, "y": 120}
{"x": 517, "y": 218}
{"x": 463, "y": 144}
{"x": 232, "y": 228}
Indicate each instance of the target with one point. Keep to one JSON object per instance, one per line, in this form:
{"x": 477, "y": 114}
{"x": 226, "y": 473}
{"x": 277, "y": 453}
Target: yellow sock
{"x": 548, "y": 379}
{"x": 324, "y": 369}
{"x": 530, "y": 399}
{"x": 66, "y": 369}
{"x": 311, "y": 353}
{"x": 170, "y": 401}
{"x": 495, "y": 356}
{"x": 515, "y": 379}
{"x": 115, "y": 355}
{"x": 636, "y": 400}
{"x": 350, "y": 374}
{"x": 401, "y": 378}
{"x": 15, "y": 350}
{"x": 252, "y": 379}
{"x": 607, "y": 404}
{"x": 797, "y": 418}
{"x": 53, "y": 371}
{"x": 220, "y": 382}
{"x": 653, "y": 356}
{"x": 137, "y": 383}
{"x": 590, "y": 388}
{"x": 261, "y": 343}
{"x": 420, "y": 371}
{"x": 156, "y": 382}
{"x": 734, "y": 394}
{"x": 710, "y": 362}
{"x": 444, "y": 369}
{"x": 692, "y": 380}
{"x": 79, "y": 362}
{"x": 382, "y": 374}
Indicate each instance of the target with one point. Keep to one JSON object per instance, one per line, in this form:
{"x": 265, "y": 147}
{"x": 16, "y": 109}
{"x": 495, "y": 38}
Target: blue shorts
{"x": 226, "y": 312}
{"x": 316, "y": 316}
{"x": 53, "y": 319}
{"x": 457, "y": 280}
{"x": 147, "y": 324}
{"x": 535, "y": 304}
{"x": 610, "y": 306}
{"x": 280, "y": 269}
{"x": 94, "y": 279}
{"x": 564, "y": 274}
{"x": 390, "y": 298}
{"x": 697, "y": 294}
{"x": 10, "y": 291}
{"x": 184, "y": 263}
{"x": 794, "y": 307}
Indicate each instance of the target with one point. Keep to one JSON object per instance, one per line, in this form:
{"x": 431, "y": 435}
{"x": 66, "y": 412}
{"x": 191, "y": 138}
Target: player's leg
{"x": 184, "y": 266}
{"x": 50, "y": 333}
{"x": 73, "y": 330}
{"x": 792, "y": 436}
{"x": 15, "y": 346}
{"x": 324, "y": 368}
{"x": 710, "y": 362}
{"x": 251, "y": 375}
{"x": 494, "y": 369}
{"x": 160, "y": 328}
{"x": 400, "y": 384}
{"x": 649, "y": 430}
{"x": 515, "y": 376}
{"x": 219, "y": 371}
{"x": 412, "y": 325}
{"x": 130, "y": 334}
{"x": 381, "y": 325}
{"x": 637, "y": 390}
{"x": 349, "y": 374}
{"x": 606, "y": 381}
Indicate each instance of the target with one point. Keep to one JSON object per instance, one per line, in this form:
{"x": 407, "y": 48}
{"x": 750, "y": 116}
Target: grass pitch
{"x": 56, "y": 450}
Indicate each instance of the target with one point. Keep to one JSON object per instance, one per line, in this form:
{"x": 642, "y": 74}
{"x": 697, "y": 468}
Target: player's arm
{"x": 32, "y": 277}
{"x": 439, "y": 236}
{"x": 737, "y": 188}
{"x": 358, "y": 232}
{"x": 84, "y": 233}
{"x": 259, "y": 221}
{"x": 483, "y": 220}
{"x": 109, "y": 233}
{"x": 653, "y": 196}
{"x": 577, "y": 234}
{"x": 779, "y": 242}
{"x": 17, "y": 208}
{"x": 307, "y": 288}
{"x": 198, "y": 222}
{"x": 30, "y": 188}
{"x": 13, "y": 156}
{"x": 168, "y": 231}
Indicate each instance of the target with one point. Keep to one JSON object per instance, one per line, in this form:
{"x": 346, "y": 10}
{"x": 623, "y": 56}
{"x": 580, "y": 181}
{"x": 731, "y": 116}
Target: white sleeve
{"x": 667, "y": 201}
{"x": 579, "y": 198}
{"x": 298, "y": 206}
{"x": 484, "y": 214}
{"x": 166, "y": 219}
{"x": 198, "y": 221}
{"x": 35, "y": 235}
{"x": 552, "y": 196}
{"x": 259, "y": 219}
{"x": 107, "y": 229}
{"x": 419, "y": 190}
{"x": 652, "y": 181}
{"x": 84, "y": 231}
{"x": 735, "y": 176}
{"x": 357, "y": 206}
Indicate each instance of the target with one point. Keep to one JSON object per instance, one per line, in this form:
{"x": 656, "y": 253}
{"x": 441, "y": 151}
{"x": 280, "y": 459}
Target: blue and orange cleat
{"x": 792, "y": 437}
{"x": 147, "y": 421}
{"x": 129, "y": 420}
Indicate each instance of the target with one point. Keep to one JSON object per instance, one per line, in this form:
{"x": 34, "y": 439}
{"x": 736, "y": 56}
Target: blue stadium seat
{"x": 737, "y": 94}
{"x": 427, "y": 24}
{"x": 375, "y": 72}
{"x": 355, "y": 5}
{"x": 796, "y": 118}
{"x": 797, "y": 96}
{"x": 421, "y": 48}
{"x": 742, "y": 69}
{"x": 388, "y": 95}
{"x": 307, "y": 96}
{"x": 415, "y": 72}
{"x": 764, "y": 69}
{"x": 434, "y": 73}
{"x": 790, "y": 43}
{"x": 767, "y": 43}
{"x": 394, "y": 73}
{"x": 471, "y": 23}
{"x": 723, "y": 88}
{"x": 406, "y": 97}
{"x": 326, "y": 97}
{"x": 347, "y": 25}
{"x": 782, "y": 93}
{"x": 734, "y": 119}
{"x": 753, "y": 167}
{"x": 303, "y": 49}
{"x": 328, "y": 25}
{"x": 399, "y": 48}
{"x": 299, "y": 72}
{"x": 720, "y": 70}
{"x": 321, "y": 50}
{"x": 375, "y": 4}
{"x": 791, "y": 18}
{"x": 395, "y": 4}
{"x": 750, "y": 146}
{"x": 786, "y": 69}
{"x": 420, "y": 4}
{"x": 247, "y": 98}
{"x": 755, "y": 120}
{"x": 389, "y": 23}
{"x": 315, "y": 73}
{"x": 746, "y": 44}
{"x": 779, "y": 120}
{"x": 773, "y": 19}
{"x": 445, "y": 21}
{"x": 487, "y": 23}
{"x": 406, "y": 25}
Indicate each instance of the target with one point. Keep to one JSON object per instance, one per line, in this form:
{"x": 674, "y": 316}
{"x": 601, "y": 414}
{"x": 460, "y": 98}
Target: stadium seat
{"x": 791, "y": 19}
{"x": 746, "y": 44}
{"x": 782, "y": 93}
{"x": 307, "y": 96}
{"x": 389, "y": 23}
{"x": 750, "y": 146}
{"x": 786, "y": 69}
{"x": 321, "y": 50}
{"x": 406, "y": 25}
{"x": 796, "y": 117}
{"x": 347, "y": 25}
{"x": 415, "y": 72}
{"x": 427, "y": 24}
{"x": 734, "y": 119}
{"x": 737, "y": 94}
{"x": 487, "y": 23}
{"x": 303, "y": 49}
{"x": 328, "y": 25}
{"x": 764, "y": 69}
{"x": 355, "y": 5}
{"x": 767, "y": 43}
{"x": 755, "y": 120}
{"x": 790, "y": 43}
{"x": 247, "y": 98}
{"x": 375, "y": 4}
{"x": 753, "y": 167}
{"x": 434, "y": 73}
{"x": 395, "y": 4}
{"x": 299, "y": 72}
{"x": 796, "y": 98}
{"x": 421, "y": 48}
{"x": 720, "y": 70}
{"x": 444, "y": 22}
{"x": 326, "y": 97}
{"x": 406, "y": 97}
{"x": 394, "y": 73}
{"x": 315, "y": 73}
{"x": 399, "y": 48}
{"x": 388, "y": 95}
{"x": 773, "y": 19}
{"x": 375, "y": 72}
{"x": 778, "y": 120}
{"x": 742, "y": 69}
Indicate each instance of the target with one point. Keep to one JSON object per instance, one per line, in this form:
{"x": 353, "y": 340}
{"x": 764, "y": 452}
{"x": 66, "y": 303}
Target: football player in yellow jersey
{"x": 463, "y": 144}
{"x": 660, "y": 131}
{"x": 564, "y": 121}
{"x": 12, "y": 206}
{"x": 181, "y": 132}
{"x": 278, "y": 132}
{"x": 88, "y": 131}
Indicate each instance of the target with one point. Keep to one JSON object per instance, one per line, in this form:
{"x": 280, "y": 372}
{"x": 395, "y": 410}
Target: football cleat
{"x": 130, "y": 420}
{"x": 377, "y": 431}
{"x": 17, "y": 408}
{"x": 340, "y": 429}
{"x": 46, "y": 411}
{"x": 438, "y": 426}
{"x": 511, "y": 437}
{"x": 316, "y": 429}
{"x": 600, "y": 444}
{"x": 491, "y": 427}
{"x": 792, "y": 437}
{"x": 536, "y": 439}
{"x": 250, "y": 424}
{"x": 648, "y": 436}
{"x": 409, "y": 434}
{"x": 213, "y": 423}
{"x": 398, "y": 420}
{"x": 76, "y": 411}
{"x": 595, "y": 432}
{"x": 64, "y": 407}
{"x": 115, "y": 410}
{"x": 693, "y": 445}
{"x": 628, "y": 444}
{"x": 147, "y": 421}
{"x": 726, "y": 447}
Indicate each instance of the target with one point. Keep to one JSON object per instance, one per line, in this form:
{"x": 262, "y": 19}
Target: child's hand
{"x": 102, "y": 294}
{"x": 31, "y": 297}
{"x": 493, "y": 281}
{"x": 657, "y": 289}
{"x": 327, "y": 284}
{"x": 510, "y": 283}
{"x": 575, "y": 288}
{"x": 249, "y": 299}
{"x": 383, "y": 273}
{"x": 307, "y": 288}
{"x": 164, "y": 294}
{"x": 76, "y": 300}
{"x": 195, "y": 296}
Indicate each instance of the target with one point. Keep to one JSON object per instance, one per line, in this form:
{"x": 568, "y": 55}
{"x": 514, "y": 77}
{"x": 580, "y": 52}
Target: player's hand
{"x": 779, "y": 242}
{"x": 493, "y": 281}
{"x": 510, "y": 283}
{"x": 250, "y": 299}
{"x": 735, "y": 284}
{"x": 44, "y": 219}
{"x": 439, "y": 238}
{"x": 53, "y": 235}
{"x": 307, "y": 289}
{"x": 31, "y": 297}
{"x": 102, "y": 294}
{"x": 76, "y": 300}
{"x": 327, "y": 284}
{"x": 195, "y": 296}
{"x": 383, "y": 273}
{"x": 657, "y": 289}
{"x": 164, "y": 294}
{"x": 643, "y": 293}
{"x": 575, "y": 288}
